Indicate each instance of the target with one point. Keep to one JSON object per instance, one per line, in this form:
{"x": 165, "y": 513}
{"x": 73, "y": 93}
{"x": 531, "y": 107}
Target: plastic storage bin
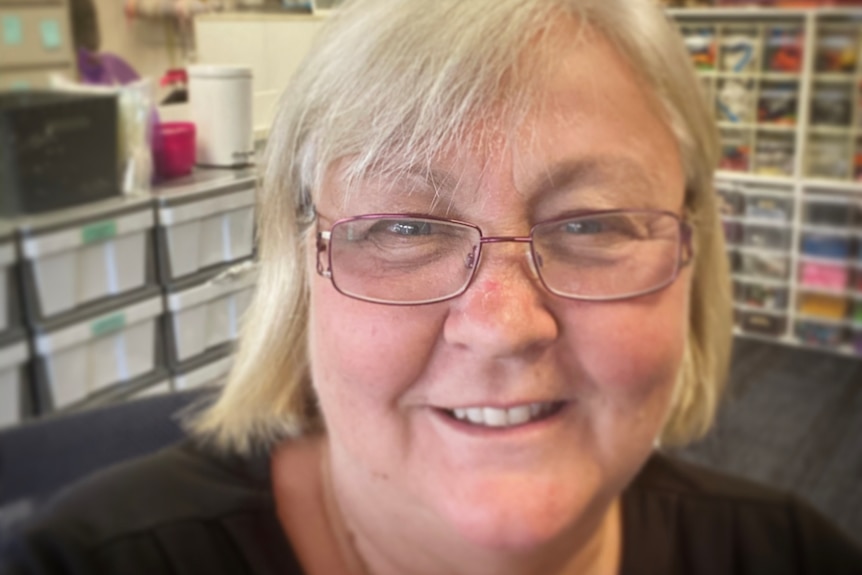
{"x": 824, "y": 306}
{"x": 768, "y": 297}
{"x": 826, "y": 245}
{"x": 731, "y": 202}
{"x": 765, "y": 207}
{"x": 767, "y": 237}
{"x": 205, "y": 226}
{"x": 80, "y": 359}
{"x": 765, "y": 265}
{"x": 9, "y": 299}
{"x": 764, "y": 324}
{"x": 205, "y": 318}
{"x": 732, "y": 231}
{"x": 83, "y": 256}
{"x": 15, "y": 403}
{"x": 828, "y": 156}
{"x": 814, "y": 333}
{"x": 774, "y": 154}
{"x": 829, "y": 211}
{"x": 209, "y": 374}
{"x": 735, "y": 149}
{"x": 824, "y": 275}
{"x": 160, "y": 387}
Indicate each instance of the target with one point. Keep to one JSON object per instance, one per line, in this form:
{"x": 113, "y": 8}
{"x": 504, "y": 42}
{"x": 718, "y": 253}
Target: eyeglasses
{"x": 410, "y": 259}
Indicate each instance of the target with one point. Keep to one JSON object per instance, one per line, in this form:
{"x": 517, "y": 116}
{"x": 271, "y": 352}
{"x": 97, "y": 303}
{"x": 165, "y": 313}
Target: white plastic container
{"x": 204, "y": 228}
{"x": 220, "y": 105}
{"x": 7, "y": 260}
{"x": 90, "y": 355}
{"x": 87, "y": 258}
{"x": 12, "y": 359}
{"x": 210, "y": 374}
{"x": 207, "y": 316}
{"x": 159, "y": 388}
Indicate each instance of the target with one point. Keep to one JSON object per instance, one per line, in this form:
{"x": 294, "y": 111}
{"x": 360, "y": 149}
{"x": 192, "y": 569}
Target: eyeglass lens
{"x": 411, "y": 260}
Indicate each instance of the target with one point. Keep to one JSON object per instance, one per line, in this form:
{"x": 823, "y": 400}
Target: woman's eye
{"x": 584, "y": 227}
{"x": 409, "y": 228}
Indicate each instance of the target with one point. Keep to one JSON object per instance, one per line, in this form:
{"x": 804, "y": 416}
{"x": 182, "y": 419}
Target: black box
{"x": 56, "y": 150}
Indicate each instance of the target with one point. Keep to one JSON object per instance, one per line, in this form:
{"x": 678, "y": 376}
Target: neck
{"x": 377, "y": 535}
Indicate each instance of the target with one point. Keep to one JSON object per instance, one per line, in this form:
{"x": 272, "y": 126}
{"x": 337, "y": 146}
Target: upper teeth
{"x": 494, "y": 417}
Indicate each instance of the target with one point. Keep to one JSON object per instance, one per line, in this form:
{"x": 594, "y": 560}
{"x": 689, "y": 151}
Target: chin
{"x": 519, "y": 514}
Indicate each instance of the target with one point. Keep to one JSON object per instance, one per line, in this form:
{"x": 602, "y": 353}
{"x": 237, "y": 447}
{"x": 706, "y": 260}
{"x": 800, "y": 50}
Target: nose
{"x": 504, "y": 312}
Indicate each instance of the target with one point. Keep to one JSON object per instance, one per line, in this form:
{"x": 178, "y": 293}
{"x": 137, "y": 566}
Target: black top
{"x": 185, "y": 511}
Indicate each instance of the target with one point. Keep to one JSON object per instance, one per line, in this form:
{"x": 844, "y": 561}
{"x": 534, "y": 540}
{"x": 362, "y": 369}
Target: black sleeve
{"x": 43, "y": 554}
{"x": 823, "y": 549}
{"x": 181, "y": 510}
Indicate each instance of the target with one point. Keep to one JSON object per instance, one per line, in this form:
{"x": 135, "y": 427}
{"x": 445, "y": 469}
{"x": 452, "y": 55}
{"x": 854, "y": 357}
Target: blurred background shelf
{"x": 786, "y": 90}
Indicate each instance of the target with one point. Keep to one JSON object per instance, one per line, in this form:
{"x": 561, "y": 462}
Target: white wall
{"x": 271, "y": 45}
{"x": 145, "y": 44}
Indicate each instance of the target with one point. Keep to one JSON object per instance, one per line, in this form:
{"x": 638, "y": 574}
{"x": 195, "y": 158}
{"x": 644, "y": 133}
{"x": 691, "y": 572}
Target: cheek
{"x": 631, "y": 351}
{"x": 363, "y": 353}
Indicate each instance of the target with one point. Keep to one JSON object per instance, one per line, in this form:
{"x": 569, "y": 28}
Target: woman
{"x": 493, "y": 280}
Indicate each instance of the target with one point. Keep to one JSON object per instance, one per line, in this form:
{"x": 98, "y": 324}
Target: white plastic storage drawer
{"x": 204, "y": 228}
{"x": 210, "y": 374}
{"x": 14, "y": 400}
{"x": 81, "y": 359}
{"x": 8, "y": 300}
{"x": 161, "y": 388}
{"x": 206, "y": 317}
{"x": 83, "y": 261}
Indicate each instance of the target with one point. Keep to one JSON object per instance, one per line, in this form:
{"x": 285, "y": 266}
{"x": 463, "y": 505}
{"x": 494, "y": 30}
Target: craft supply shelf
{"x": 786, "y": 90}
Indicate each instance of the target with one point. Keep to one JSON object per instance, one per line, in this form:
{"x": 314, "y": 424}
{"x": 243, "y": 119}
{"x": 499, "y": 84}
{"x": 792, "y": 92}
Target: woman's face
{"x": 386, "y": 375}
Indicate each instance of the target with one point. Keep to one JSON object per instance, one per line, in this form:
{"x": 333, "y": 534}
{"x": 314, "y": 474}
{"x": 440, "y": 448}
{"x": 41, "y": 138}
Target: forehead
{"x": 594, "y": 132}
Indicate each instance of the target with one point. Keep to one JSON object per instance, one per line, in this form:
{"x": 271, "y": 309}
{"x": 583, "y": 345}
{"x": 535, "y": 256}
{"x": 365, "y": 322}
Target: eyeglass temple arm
{"x": 322, "y": 241}
{"x": 686, "y": 244}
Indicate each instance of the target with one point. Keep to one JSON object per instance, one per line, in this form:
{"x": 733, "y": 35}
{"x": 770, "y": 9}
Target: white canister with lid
{"x": 220, "y": 102}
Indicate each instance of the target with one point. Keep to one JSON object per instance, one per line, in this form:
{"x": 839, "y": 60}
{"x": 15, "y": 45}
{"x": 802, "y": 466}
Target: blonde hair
{"x": 391, "y": 83}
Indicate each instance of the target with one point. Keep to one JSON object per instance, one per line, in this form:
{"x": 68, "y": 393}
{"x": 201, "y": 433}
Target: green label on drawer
{"x": 13, "y": 31}
{"x": 99, "y": 231}
{"x": 108, "y": 324}
{"x": 52, "y": 37}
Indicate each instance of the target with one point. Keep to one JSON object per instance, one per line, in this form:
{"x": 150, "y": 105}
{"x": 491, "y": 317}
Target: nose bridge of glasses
{"x": 472, "y": 259}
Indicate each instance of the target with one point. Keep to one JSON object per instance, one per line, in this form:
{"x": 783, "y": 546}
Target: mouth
{"x": 485, "y": 416}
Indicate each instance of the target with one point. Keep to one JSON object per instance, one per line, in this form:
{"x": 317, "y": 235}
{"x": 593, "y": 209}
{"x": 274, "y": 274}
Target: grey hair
{"x": 387, "y": 86}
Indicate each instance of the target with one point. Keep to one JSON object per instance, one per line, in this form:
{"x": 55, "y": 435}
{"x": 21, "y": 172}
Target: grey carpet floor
{"x": 792, "y": 418}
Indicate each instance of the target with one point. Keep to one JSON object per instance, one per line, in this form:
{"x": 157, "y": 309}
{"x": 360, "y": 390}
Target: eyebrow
{"x": 588, "y": 171}
{"x": 620, "y": 172}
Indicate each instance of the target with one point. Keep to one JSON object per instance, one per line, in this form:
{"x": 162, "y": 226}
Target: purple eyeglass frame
{"x": 684, "y": 256}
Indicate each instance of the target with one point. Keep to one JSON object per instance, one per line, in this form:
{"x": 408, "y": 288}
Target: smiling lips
{"x": 496, "y": 417}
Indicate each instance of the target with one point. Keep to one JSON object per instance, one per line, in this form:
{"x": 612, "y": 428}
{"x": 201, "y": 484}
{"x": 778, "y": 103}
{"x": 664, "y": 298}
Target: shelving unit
{"x": 35, "y": 42}
{"x": 786, "y": 86}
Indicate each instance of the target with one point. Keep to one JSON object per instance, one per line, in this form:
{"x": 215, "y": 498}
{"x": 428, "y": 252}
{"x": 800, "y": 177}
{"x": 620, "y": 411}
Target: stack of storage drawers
{"x": 786, "y": 88}
{"x": 796, "y": 277}
{"x": 92, "y": 300}
{"x": 125, "y": 297}
{"x": 205, "y": 247}
{"x": 829, "y": 306}
{"x": 758, "y": 228}
{"x": 15, "y": 389}
{"x": 35, "y": 42}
